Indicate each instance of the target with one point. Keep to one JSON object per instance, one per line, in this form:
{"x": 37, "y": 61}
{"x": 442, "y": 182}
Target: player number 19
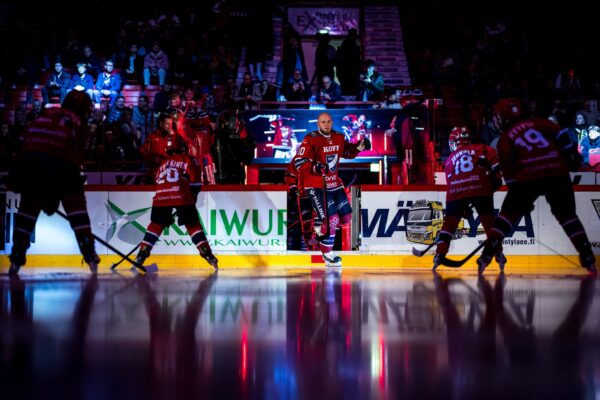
{"x": 532, "y": 139}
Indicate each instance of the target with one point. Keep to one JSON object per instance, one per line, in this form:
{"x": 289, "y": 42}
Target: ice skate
{"x": 86, "y": 246}
{"x": 17, "y": 259}
{"x": 437, "y": 261}
{"x": 141, "y": 257}
{"x": 93, "y": 264}
{"x": 482, "y": 263}
{"x": 14, "y": 268}
{"x": 332, "y": 260}
{"x": 500, "y": 259}
{"x": 587, "y": 259}
{"x": 487, "y": 255}
{"x": 206, "y": 253}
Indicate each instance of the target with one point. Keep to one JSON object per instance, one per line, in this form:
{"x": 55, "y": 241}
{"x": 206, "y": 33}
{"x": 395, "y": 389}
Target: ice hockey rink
{"x": 273, "y": 324}
{"x": 300, "y": 332}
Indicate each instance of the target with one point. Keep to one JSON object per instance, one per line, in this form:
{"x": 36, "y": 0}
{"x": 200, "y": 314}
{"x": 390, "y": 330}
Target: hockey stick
{"x": 149, "y": 268}
{"x": 112, "y": 267}
{"x": 325, "y": 211}
{"x": 325, "y": 215}
{"x": 421, "y": 253}
{"x": 293, "y": 224}
{"x": 459, "y": 263}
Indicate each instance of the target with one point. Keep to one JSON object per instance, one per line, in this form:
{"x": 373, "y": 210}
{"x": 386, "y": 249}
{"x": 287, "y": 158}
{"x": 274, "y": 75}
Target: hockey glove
{"x": 320, "y": 169}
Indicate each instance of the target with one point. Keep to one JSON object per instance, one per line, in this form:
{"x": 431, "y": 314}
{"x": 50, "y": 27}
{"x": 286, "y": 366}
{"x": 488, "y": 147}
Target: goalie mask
{"x": 459, "y": 135}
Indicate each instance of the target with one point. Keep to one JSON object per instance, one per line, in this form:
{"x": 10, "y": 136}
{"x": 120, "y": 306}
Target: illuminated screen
{"x": 279, "y": 133}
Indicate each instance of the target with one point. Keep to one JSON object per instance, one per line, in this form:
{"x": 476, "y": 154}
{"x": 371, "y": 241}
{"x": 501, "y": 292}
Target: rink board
{"x": 247, "y": 229}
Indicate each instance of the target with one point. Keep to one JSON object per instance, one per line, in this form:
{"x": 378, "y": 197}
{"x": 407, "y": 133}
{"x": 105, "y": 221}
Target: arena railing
{"x": 266, "y": 105}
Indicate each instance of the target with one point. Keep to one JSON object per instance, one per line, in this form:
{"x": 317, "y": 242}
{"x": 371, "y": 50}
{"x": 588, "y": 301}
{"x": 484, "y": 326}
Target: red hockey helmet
{"x": 509, "y": 110}
{"x": 459, "y": 135}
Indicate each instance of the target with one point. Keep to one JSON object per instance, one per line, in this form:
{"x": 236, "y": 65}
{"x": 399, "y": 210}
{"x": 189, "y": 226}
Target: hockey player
{"x": 47, "y": 174}
{"x": 472, "y": 176}
{"x": 535, "y": 158}
{"x": 153, "y": 149}
{"x": 178, "y": 182}
{"x": 317, "y": 163}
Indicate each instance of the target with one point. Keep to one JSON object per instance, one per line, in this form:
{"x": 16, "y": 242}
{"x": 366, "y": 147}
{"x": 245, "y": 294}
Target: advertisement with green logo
{"x": 235, "y": 222}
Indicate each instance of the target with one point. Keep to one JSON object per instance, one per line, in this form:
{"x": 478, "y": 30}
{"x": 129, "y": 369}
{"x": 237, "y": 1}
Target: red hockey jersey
{"x": 173, "y": 180}
{"x": 327, "y": 150}
{"x": 57, "y": 132}
{"x": 284, "y": 136}
{"x": 465, "y": 177}
{"x": 531, "y": 150}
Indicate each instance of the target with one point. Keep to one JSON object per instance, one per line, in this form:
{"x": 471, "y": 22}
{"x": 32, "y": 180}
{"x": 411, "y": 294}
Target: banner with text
{"x": 234, "y": 222}
{"x": 335, "y": 20}
{"x": 388, "y": 221}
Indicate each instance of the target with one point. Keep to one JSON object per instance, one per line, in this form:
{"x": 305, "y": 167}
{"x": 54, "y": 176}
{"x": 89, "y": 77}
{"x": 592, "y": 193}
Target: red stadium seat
{"x": 129, "y": 87}
{"x": 16, "y": 97}
{"x": 131, "y": 97}
{"x": 151, "y": 91}
{"x": 36, "y": 94}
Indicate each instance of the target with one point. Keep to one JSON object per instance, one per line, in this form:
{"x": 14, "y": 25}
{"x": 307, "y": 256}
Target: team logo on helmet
{"x": 459, "y": 135}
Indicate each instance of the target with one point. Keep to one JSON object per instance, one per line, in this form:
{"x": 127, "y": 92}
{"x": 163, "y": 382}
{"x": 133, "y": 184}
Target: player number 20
{"x": 170, "y": 175}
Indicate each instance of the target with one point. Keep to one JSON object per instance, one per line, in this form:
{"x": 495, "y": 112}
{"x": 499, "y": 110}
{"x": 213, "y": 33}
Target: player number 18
{"x": 463, "y": 164}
